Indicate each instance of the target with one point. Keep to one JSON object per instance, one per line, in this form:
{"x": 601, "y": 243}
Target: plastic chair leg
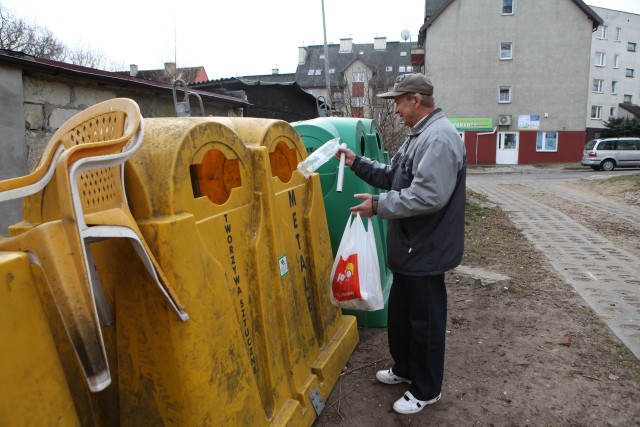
{"x": 62, "y": 260}
{"x": 98, "y": 232}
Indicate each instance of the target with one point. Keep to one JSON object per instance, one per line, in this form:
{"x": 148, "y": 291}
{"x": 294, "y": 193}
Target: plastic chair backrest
{"x": 87, "y": 153}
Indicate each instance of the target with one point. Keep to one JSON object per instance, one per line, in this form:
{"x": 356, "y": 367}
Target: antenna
{"x": 405, "y": 34}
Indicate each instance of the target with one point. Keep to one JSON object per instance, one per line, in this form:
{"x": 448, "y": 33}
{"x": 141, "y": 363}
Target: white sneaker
{"x": 408, "y": 404}
{"x": 388, "y": 377}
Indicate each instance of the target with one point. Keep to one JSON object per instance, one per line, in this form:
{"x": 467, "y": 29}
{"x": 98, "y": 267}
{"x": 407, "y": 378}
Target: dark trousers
{"x": 417, "y": 328}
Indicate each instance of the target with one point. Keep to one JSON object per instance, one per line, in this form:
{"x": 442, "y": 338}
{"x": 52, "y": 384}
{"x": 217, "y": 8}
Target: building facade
{"x": 512, "y": 75}
{"x": 614, "y": 71}
{"x": 356, "y": 71}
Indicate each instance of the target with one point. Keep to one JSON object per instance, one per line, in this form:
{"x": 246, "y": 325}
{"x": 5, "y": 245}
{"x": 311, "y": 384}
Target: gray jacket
{"x": 426, "y": 202}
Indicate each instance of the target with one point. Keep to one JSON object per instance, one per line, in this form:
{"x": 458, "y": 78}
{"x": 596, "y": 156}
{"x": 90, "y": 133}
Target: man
{"x": 425, "y": 207}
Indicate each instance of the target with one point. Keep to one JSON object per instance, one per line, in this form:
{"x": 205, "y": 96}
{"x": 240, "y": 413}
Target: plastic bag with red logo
{"x": 355, "y": 277}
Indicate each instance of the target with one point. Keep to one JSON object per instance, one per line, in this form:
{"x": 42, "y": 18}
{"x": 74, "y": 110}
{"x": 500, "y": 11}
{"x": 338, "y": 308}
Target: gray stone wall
{"x": 12, "y": 140}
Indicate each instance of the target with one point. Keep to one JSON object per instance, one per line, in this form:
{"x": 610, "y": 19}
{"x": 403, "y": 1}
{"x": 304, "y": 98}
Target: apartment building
{"x": 356, "y": 71}
{"x": 614, "y": 72}
{"x": 512, "y": 75}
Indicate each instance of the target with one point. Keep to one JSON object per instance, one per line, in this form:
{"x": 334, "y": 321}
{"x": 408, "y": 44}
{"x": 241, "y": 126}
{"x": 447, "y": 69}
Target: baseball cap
{"x": 410, "y": 83}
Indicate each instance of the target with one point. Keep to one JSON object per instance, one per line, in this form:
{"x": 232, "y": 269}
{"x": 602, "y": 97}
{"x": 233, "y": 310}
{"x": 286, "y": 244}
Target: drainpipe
{"x": 483, "y": 133}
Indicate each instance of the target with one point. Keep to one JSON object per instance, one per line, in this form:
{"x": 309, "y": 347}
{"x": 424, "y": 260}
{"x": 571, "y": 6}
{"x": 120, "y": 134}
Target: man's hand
{"x": 365, "y": 208}
{"x": 349, "y": 156}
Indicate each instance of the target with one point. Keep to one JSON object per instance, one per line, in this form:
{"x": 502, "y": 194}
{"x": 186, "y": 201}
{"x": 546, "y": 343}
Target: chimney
{"x": 302, "y": 55}
{"x": 346, "y": 45}
{"x": 133, "y": 70}
{"x": 274, "y": 71}
{"x": 379, "y": 43}
{"x": 170, "y": 68}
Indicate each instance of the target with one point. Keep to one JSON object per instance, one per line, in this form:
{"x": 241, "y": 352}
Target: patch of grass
{"x": 566, "y": 165}
{"x": 626, "y": 178}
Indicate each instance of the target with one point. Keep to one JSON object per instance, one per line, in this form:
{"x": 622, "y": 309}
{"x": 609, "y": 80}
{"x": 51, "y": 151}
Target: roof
{"x": 376, "y": 59}
{"x": 285, "y": 78}
{"x": 429, "y": 20}
{"x": 188, "y": 74}
{"x": 632, "y": 108}
{"x": 284, "y": 100}
{"x": 240, "y": 83}
{"x": 61, "y": 68}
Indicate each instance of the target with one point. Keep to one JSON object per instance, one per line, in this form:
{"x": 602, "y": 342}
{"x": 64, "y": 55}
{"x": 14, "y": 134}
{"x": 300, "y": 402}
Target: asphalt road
{"x": 605, "y": 275}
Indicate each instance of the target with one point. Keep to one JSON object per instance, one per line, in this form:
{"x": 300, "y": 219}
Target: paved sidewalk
{"x": 607, "y": 277}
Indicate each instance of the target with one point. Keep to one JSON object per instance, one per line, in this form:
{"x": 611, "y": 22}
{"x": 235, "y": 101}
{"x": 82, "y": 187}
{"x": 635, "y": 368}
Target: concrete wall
{"x": 12, "y": 140}
{"x": 548, "y": 73}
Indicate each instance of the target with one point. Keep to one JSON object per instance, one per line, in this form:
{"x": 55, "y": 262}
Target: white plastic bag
{"x": 355, "y": 277}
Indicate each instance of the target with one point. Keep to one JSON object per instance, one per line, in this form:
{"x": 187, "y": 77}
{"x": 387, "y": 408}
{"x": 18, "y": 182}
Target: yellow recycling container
{"x": 256, "y": 350}
{"x": 33, "y": 387}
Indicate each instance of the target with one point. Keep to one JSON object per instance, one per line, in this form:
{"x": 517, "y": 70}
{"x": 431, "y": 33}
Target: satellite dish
{"x": 405, "y": 34}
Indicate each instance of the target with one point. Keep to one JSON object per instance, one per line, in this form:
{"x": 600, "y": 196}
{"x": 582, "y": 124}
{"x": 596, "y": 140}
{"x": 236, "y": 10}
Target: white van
{"x": 609, "y": 153}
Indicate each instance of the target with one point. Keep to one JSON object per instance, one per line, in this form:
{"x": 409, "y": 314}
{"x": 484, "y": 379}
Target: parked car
{"x": 608, "y": 153}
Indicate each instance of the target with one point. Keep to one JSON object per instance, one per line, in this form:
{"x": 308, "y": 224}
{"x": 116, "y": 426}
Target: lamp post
{"x": 326, "y": 61}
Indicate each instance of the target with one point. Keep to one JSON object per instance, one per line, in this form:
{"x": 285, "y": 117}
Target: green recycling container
{"x": 363, "y": 137}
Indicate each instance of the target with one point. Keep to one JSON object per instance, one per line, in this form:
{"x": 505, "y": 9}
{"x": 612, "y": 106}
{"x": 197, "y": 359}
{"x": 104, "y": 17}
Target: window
{"x": 402, "y": 69}
{"x": 614, "y": 87}
{"x": 616, "y": 61}
{"x": 597, "y": 86}
{"x": 629, "y": 72}
{"x": 631, "y": 47}
{"x": 612, "y": 112}
{"x": 403, "y": 53}
{"x": 547, "y": 141}
{"x": 357, "y": 102}
{"x": 332, "y": 70}
{"x": 618, "y": 33}
{"x": 627, "y": 98}
{"x": 358, "y": 76}
{"x": 321, "y": 56}
{"x": 507, "y": 7}
{"x": 596, "y": 112}
{"x": 505, "y": 95}
{"x": 315, "y": 72}
{"x": 388, "y": 68}
{"x": 602, "y": 32}
{"x": 600, "y": 59}
{"x": 409, "y": 68}
{"x": 628, "y": 144}
{"x": 607, "y": 145}
{"x": 506, "y": 50}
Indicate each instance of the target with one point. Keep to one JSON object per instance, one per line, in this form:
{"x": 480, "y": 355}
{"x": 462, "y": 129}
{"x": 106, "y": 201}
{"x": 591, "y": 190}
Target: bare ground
{"x": 524, "y": 351}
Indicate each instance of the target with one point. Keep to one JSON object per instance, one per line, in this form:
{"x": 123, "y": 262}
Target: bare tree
{"x": 85, "y": 56}
{"x": 18, "y": 35}
{"x": 358, "y": 99}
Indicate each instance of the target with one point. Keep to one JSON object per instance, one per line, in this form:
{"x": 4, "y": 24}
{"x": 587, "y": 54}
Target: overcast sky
{"x": 229, "y": 38}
